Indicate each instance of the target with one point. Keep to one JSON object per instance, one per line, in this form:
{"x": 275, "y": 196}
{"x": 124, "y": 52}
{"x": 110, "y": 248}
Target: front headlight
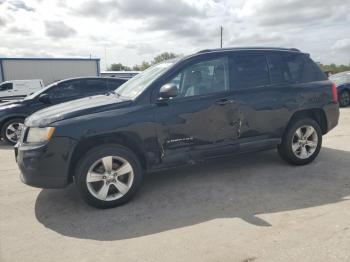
{"x": 39, "y": 135}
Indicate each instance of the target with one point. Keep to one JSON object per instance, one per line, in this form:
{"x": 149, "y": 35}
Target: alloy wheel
{"x": 110, "y": 178}
{"x": 13, "y": 132}
{"x": 305, "y": 141}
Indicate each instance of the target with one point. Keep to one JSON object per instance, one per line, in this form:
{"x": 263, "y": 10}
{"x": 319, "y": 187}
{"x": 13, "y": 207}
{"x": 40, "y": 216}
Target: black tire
{"x": 344, "y": 98}
{"x": 94, "y": 155}
{"x": 285, "y": 148}
{"x": 5, "y": 127}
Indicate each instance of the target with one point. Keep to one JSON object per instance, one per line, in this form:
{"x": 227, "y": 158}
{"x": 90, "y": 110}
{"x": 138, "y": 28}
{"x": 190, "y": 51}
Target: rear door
{"x": 263, "y": 104}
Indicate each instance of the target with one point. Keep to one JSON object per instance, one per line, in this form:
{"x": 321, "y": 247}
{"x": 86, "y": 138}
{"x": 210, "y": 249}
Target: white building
{"x": 47, "y": 69}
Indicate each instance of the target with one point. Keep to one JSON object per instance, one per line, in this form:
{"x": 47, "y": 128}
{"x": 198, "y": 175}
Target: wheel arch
{"x": 7, "y": 118}
{"x": 316, "y": 114}
{"x": 121, "y": 138}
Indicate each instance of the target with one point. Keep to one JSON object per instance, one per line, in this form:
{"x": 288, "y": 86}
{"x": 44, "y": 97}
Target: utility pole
{"x": 106, "y": 58}
{"x": 221, "y": 29}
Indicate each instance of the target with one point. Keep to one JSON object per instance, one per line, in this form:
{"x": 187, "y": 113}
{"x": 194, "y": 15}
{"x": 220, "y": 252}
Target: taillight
{"x": 334, "y": 93}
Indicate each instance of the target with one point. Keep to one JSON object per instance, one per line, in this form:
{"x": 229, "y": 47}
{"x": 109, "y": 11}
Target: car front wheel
{"x": 11, "y": 130}
{"x": 301, "y": 142}
{"x": 108, "y": 176}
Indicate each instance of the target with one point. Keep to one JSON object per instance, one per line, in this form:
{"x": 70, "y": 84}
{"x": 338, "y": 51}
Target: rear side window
{"x": 95, "y": 86}
{"x": 279, "y": 72}
{"x": 113, "y": 84}
{"x": 6, "y": 86}
{"x": 249, "y": 70}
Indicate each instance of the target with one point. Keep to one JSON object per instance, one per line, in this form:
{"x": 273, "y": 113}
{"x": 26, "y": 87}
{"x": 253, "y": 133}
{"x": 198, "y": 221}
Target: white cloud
{"x": 135, "y": 30}
{"x": 342, "y": 44}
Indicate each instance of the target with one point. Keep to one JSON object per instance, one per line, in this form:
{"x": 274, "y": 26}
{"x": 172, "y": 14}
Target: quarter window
{"x": 203, "y": 78}
{"x": 301, "y": 69}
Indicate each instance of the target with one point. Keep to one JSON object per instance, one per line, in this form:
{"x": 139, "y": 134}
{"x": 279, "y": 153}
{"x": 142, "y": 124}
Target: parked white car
{"x": 19, "y": 88}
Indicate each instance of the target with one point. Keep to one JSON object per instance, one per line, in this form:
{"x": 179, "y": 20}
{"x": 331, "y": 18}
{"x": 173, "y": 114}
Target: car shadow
{"x": 241, "y": 187}
{"x": 5, "y": 146}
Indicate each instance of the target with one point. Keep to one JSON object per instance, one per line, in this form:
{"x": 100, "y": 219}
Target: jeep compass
{"x": 214, "y": 103}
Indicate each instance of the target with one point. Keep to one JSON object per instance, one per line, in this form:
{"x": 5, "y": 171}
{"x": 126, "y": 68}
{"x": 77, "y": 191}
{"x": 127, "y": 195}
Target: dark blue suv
{"x": 210, "y": 104}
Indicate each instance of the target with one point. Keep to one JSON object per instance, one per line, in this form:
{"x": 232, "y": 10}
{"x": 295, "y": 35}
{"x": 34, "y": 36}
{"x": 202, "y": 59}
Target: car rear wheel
{"x": 344, "y": 98}
{"x": 11, "y": 130}
{"x": 301, "y": 142}
{"x": 108, "y": 176}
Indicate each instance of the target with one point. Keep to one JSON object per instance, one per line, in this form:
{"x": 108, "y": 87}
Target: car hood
{"x": 10, "y": 104}
{"x": 74, "y": 108}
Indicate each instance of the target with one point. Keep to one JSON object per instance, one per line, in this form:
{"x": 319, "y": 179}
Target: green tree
{"x": 335, "y": 68}
{"x": 163, "y": 56}
{"x": 144, "y": 65}
{"x": 119, "y": 67}
{"x": 141, "y": 67}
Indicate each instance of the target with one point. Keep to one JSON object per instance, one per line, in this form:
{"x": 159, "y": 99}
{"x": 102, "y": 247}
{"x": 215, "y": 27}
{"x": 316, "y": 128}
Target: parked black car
{"x": 12, "y": 114}
{"x": 210, "y": 104}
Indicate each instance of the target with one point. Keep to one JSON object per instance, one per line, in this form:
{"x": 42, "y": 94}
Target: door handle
{"x": 222, "y": 101}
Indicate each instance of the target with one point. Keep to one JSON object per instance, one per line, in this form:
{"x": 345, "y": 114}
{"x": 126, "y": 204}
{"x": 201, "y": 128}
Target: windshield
{"x": 341, "y": 78}
{"x": 37, "y": 93}
{"x": 136, "y": 85}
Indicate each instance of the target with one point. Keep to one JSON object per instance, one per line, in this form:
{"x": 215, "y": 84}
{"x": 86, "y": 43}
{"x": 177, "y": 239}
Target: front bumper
{"x": 46, "y": 165}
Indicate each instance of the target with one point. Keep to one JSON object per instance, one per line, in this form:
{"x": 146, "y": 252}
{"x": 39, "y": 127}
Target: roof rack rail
{"x": 246, "y": 48}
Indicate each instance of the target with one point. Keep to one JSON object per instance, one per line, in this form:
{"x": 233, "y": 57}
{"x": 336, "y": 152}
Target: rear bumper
{"x": 45, "y": 166}
{"x": 332, "y": 115}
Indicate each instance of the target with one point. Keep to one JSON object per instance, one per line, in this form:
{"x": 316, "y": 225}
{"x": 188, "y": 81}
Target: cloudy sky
{"x": 130, "y": 31}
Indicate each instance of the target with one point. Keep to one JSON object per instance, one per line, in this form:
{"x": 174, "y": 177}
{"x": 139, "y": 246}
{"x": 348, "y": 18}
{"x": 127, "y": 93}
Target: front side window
{"x": 205, "y": 77}
{"x": 249, "y": 70}
{"x": 6, "y": 86}
{"x": 65, "y": 90}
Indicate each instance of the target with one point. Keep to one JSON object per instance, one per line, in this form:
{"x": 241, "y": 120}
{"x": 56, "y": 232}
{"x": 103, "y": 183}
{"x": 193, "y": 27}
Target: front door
{"x": 202, "y": 119}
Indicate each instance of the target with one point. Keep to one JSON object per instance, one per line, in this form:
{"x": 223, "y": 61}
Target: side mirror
{"x": 167, "y": 91}
{"x": 44, "y": 98}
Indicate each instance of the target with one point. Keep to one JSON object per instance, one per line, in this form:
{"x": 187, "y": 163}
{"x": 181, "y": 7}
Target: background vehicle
{"x": 120, "y": 74}
{"x": 342, "y": 81}
{"x": 214, "y": 103}
{"x": 12, "y": 114}
{"x": 19, "y": 88}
